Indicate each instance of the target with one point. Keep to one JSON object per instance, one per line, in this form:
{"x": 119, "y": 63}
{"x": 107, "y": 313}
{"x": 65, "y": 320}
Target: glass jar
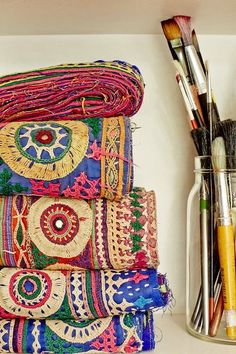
{"x": 210, "y": 261}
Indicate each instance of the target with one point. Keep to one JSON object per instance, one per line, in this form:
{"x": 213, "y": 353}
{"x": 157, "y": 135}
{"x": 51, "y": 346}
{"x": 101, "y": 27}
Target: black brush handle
{"x": 201, "y": 61}
{"x": 197, "y": 117}
{"x": 203, "y": 103}
{"x": 174, "y": 56}
{"x": 215, "y": 113}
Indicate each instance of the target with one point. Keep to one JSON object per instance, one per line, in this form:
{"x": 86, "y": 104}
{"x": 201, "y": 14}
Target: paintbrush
{"x": 204, "y": 231}
{"x": 211, "y": 236}
{"x": 184, "y": 23}
{"x": 211, "y": 104}
{"x": 188, "y": 92}
{"x": 173, "y": 35}
{"x": 197, "y": 47}
{"x": 209, "y": 101}
{"x": 229, "y": 134}
{"x": 193, "y": 122}
{"x": 228, "y": 131}
{"x": 212, "y": 111}
{"x": 201, "y": 139}
{"x": 216, "y": 116}
{"x": 225, "y": 236}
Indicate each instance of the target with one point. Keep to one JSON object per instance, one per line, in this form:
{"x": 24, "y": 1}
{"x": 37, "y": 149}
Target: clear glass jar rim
{"x": 204, "y": 164}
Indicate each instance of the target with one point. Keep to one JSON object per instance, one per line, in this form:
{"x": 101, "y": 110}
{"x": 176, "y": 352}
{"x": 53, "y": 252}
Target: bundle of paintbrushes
{"x": 216, "y": 187}
{"x": 192, "y": 75}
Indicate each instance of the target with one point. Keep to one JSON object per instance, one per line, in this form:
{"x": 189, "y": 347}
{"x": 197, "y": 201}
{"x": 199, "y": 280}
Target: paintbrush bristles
{"x": 184, "y": 23}
{"x": 228, "y": 129}
{"x": 201, "y": 138}
{"x": 218, "y": 154}
{"x": 171, "y": 29}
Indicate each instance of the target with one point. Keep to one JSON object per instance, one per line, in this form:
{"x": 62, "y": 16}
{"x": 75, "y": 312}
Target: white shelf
{"x": 176, "y": 339}
{"x": 33, "y": 17}
{"x": 163, "y": 149}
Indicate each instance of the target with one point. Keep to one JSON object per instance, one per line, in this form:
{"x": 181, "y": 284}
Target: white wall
{"x": 163, "y": 149}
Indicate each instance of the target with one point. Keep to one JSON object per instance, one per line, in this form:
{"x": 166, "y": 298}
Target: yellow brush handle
{"x": 227, "y": 265}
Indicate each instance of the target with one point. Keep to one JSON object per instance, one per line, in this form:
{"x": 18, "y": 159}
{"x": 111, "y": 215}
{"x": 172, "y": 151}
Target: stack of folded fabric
{"x": 78, "y": 244}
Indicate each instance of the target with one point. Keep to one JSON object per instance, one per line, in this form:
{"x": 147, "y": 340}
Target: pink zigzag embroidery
{"x": 38, "y": 188}
{"x": 97, "y": 152}
{"x": 83, "y": 188}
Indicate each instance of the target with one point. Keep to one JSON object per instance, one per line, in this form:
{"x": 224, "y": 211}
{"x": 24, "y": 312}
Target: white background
{"x": 163, "y": 150}
{"x": 107, "y": 16}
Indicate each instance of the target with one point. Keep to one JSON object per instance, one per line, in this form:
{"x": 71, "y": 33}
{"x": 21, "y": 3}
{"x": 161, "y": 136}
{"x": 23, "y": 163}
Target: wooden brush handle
{"x": 197, "y": 102}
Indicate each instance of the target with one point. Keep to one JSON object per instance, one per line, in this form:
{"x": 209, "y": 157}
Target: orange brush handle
{"x": 215, "y": 322}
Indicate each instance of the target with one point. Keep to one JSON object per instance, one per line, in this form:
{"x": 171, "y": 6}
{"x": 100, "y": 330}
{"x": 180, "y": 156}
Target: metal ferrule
{"x": 175, "y": 43}
{"x": 181, "y": 56}
{"x": 204, "y": 194}
{"x": 196, "y": 68}
{"x": 224, "y": 215}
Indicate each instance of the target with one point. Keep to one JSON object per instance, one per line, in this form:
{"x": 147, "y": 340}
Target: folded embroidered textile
{"x": 80, "y": 295}
{"x": 130, "y": 333}
{"x": 74, "y": 159}
{"x": 72, "y": 91}
{"x": 61, "y": 233}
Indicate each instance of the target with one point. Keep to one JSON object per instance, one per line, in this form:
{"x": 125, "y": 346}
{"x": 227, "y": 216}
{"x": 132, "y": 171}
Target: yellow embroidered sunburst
{"x": 44, "y": 151}
{"x": 84, "y": 330}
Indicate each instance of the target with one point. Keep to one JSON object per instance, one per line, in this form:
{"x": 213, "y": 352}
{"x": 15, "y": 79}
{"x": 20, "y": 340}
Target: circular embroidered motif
{"x": 30, "y": 287}
{"x": 59, "y": 223}
{"x": 84, "y": 330}
{"x": 60, "y": 228}
{"x": 31, "y": 293}
{"x": 44, "y": 151}
{"x": 43, "y": 144}
{"x": 30, "y": 290}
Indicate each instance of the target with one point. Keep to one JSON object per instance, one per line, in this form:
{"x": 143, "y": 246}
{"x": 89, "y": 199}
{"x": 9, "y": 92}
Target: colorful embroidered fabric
{"x": 130, "y": 333}
{"x": 72, "y": 91}
{"x": 60, "y": 233}
{"x": 79, "y": 295}
{"x": 74, "y": 159}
